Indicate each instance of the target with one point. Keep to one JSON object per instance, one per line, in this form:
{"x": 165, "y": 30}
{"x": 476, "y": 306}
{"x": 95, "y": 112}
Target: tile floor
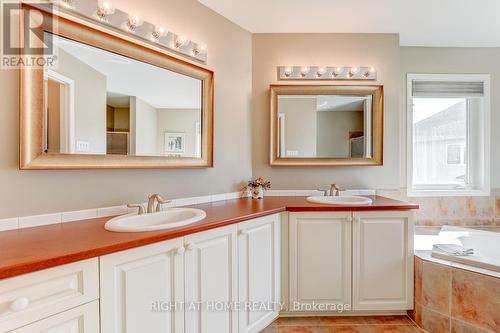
{"x": 368, "y": 324}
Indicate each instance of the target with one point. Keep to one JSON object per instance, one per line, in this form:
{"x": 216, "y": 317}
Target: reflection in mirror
{"x": 98, "y": 102}
{"x": 325, "y": 126}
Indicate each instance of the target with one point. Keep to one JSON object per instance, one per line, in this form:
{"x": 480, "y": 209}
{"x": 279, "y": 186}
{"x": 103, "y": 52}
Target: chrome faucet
{"x": 334, "y": 190}
{"x": 154, "y": 204}
{"x": 159, "y": 201}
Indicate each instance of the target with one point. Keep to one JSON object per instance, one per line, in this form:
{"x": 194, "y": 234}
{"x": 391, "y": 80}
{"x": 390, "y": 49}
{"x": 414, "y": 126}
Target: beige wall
{"x": 89, "y": 103}
{"x": 333, "y": 131}
{"x": 300, "y": 124}
{"x": 454, "y": 61}
{"x": 378, "y": 50}
{"x": 143, "y": 128}
{"x": 178, "y": 120}
{"x": 229, "y": 47}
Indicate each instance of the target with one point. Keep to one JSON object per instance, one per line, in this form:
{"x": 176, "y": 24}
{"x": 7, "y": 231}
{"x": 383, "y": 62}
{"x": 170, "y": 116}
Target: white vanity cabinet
{"x": 211, "y": 271}
{"x": 382, "y": 260}
{"x": 207, "y": 275}
{"x": 259, "y": 272}
{"x": 141, "y": 286}
{"x": 320, "y": 259}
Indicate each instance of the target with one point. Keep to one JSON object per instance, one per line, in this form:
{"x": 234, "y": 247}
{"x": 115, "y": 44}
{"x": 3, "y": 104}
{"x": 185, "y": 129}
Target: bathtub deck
{"x": 344, "y": 324}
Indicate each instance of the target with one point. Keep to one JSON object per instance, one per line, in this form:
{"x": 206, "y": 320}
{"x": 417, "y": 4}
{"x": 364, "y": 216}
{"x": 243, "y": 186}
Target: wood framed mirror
{"x": 110, "y": 102}
{"x": 326, "y": 125}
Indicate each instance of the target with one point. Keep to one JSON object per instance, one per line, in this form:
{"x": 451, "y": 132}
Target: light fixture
{"x": 326, "y": 73}
{"x": 321, "y": 71}
{"x": 104, "y": 12}
{"x": 133, "y": 21}
{"x": 104, "y": 9}
{"x": 158, "y": 33}
{"x": 179, "y": 42}
{"x": 304, "y": 71}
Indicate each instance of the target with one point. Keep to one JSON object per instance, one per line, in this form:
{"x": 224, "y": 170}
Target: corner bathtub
{"x": 486, "y": 245}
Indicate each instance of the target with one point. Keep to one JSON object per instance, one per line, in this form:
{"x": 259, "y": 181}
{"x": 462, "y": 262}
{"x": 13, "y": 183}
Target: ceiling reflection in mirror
{"x": 325, "y": 126}
{"x": 101, "y": 103}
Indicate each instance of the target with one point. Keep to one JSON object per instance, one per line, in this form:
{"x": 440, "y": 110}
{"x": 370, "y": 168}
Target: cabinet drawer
{"x": 82, "y": 319}
{"x": 30, "y": 297}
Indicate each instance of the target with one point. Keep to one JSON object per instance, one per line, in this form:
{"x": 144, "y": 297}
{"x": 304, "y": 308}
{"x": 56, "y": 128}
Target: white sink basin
{"x": 171, "y": 218}
{"x": 348, "y": 200}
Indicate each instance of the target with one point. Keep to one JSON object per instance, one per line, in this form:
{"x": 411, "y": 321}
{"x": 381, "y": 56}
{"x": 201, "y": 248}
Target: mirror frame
{"x": 31, "y": 115}
{"x": 377, "y": 93}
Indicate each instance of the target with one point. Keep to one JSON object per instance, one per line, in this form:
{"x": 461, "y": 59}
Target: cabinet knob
{"x": 243, "y": 232}
{"x": 181, "y": 250}
{"x": 19, "y": 304}
{"x": 190, "y": 246}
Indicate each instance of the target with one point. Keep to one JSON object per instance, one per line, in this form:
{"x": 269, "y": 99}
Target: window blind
{"x": 422, "y": 88}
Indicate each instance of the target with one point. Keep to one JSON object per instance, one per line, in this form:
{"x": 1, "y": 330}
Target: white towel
{"x": 453, "y": 249}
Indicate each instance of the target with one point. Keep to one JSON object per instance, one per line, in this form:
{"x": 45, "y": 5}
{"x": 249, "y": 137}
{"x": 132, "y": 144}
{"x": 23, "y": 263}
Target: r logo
{"x": 32, "y": 43}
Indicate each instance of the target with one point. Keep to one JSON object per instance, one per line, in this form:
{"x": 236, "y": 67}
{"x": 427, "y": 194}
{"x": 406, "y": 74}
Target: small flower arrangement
{"x": 257, "y": 187}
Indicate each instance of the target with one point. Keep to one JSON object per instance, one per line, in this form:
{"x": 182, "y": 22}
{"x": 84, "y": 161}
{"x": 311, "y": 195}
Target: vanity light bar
{"x": 105, "y": 13}
{"x": 326, "y": 73}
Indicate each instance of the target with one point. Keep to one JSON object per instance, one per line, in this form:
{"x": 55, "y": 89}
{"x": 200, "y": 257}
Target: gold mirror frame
{"x": 31, "y": 122}
{"x": 377, "y": 93}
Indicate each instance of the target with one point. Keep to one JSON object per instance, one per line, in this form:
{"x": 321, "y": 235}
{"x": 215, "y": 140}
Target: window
{"x": 448, "y": 135}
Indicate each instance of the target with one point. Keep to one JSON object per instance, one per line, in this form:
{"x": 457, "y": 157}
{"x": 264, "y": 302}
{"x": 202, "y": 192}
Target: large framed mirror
{"x": 109, "y": 102}
{"x": 320, "y": 125}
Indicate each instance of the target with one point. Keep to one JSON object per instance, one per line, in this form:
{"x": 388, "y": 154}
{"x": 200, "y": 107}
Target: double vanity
{"x": 235, "y": 270}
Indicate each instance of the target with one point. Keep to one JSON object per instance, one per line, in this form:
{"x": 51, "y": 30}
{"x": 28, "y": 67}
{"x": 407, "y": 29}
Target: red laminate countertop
{"x": 32, "y": 249}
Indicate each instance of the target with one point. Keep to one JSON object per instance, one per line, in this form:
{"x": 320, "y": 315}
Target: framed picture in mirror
{"x": 326, "y": 125}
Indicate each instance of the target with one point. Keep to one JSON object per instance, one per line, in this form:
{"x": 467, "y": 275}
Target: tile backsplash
{"x": 457, "y": 211}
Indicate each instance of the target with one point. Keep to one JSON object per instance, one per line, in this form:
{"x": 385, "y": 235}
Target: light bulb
{"x": 69, "y": 4}
{"x": 337, "y": 71}
{"x": 354, "y": 70}
{"x": 157, "y": 33}
{"x": 133, "y": 22}
{"x": 288, "y": 71}
{"x": 369, "y": 72}
{"x": 104, "y": 9}
{"x": 197, "y": 49}
{"x": 180, "y": 41}
{"x": 304, "y": 71}
{"x": 321, "y": 71}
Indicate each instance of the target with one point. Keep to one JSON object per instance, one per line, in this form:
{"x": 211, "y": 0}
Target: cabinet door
{"x": 259, "y": 272}
{"x": 320, "y": 261}
{"x": 82, "y": 319}
{"x": 383, "y": 261}
{"x": 141, "y": 286}
{"x": 211, "y": 281}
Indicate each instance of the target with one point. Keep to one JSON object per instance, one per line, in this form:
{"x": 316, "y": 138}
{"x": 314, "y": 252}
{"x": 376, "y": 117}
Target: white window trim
{"x": 450, "y": 190}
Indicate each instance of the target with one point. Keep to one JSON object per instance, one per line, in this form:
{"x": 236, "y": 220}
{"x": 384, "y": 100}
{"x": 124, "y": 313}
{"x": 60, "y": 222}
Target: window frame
{"x": 430, "y": 190}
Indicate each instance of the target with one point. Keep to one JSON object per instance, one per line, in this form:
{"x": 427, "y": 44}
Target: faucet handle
{"x": 160, "y": 201}
{"x": 140, "y": 207}
{"x": 325, "y": 192}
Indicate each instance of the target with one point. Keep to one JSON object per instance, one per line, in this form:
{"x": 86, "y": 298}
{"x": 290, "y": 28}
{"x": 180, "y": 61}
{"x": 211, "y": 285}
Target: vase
{"x": 258, "y": 192}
